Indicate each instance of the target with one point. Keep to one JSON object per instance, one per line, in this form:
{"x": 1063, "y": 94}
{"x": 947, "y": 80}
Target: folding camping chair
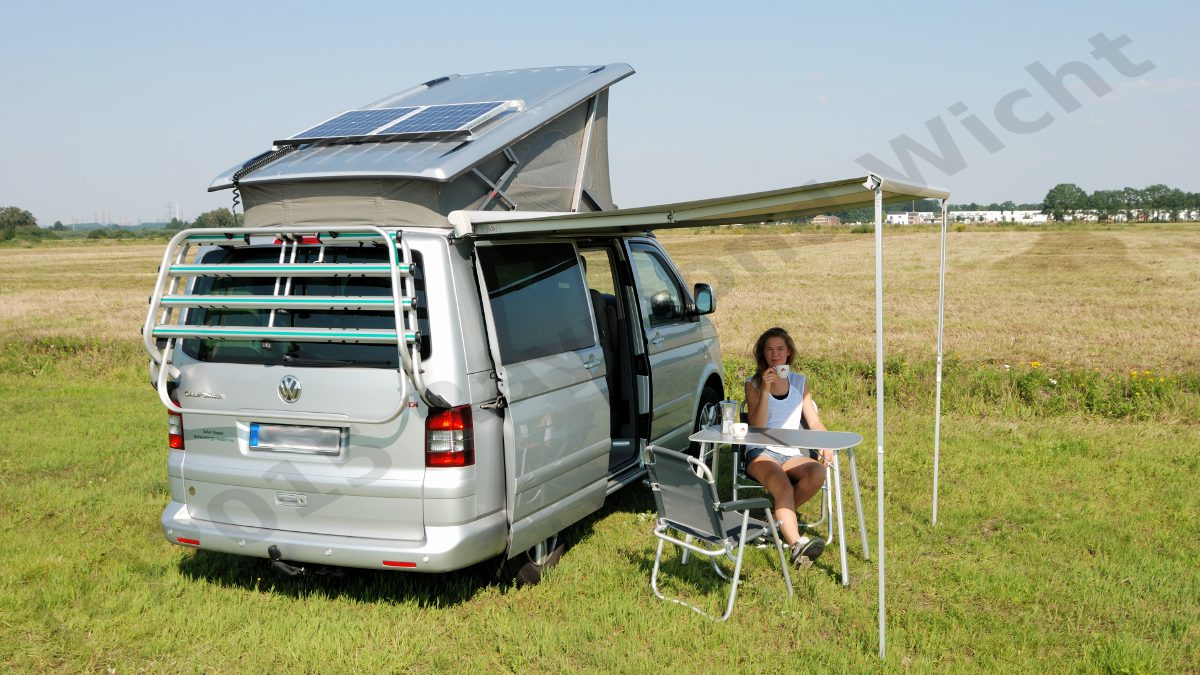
{"x": 691, "y": 516}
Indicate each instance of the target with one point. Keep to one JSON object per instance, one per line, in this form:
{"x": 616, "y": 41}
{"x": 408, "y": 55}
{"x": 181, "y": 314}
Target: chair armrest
{"x": 744, "y": 504}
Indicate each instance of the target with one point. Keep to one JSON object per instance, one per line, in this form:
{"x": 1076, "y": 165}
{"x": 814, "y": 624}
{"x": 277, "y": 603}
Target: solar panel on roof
{"x": 445, "y": 118}
{"x": 354, "y": 123}
{"x": 413, "y": 122}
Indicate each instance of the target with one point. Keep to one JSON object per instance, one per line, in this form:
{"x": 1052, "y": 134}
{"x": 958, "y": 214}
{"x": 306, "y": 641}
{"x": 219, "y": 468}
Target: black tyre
{"x": 526, "y": 568}
{"x": 707, "y": 412}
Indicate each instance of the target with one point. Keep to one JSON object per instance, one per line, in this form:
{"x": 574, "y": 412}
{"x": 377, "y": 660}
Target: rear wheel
{"x": 526, "y": 568}
{"x": 707, "y": 412}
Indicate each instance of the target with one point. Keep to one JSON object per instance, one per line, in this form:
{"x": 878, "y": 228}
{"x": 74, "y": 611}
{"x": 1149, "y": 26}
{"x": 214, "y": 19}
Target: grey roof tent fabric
{"x": 419, "y": 182}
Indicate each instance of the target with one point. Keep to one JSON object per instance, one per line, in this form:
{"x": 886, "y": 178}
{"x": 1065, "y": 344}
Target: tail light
{"x": 175, "y": 430}
{"x": 449, "y": 439}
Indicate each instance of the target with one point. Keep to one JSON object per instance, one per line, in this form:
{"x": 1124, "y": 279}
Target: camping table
{"x": 711, "y": 438}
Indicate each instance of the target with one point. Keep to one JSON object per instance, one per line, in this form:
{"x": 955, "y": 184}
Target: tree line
{"x": 17, "y": 223}
{"x": 1067, "y": 201}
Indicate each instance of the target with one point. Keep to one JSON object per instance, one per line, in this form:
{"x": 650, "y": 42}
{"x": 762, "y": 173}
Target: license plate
{"x": 294, "y": 438}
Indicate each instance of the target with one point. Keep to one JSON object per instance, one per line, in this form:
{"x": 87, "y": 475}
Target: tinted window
{"x": 275, "y": 352}
{"x": 659, "y": 292}
{"x": 538, "y": 299}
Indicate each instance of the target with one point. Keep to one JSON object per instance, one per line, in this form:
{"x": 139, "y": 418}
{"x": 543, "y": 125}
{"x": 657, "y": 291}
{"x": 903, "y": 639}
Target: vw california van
{"x": 436, "y": 341}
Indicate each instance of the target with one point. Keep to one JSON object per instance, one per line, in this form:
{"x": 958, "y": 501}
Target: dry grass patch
{"x": 1109, "y": 300}
{"x": 88, "y": 291}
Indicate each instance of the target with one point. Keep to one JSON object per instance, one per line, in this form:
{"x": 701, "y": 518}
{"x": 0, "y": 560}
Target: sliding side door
{"x": 551, "y": 371}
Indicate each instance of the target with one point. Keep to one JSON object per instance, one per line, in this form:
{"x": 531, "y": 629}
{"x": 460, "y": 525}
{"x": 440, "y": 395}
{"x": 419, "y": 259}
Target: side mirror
{"x": 706, "y": 303}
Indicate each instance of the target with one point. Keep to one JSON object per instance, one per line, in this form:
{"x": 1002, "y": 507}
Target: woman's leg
{"x": 806, "y": 475}
{"x": 770, "y": 475}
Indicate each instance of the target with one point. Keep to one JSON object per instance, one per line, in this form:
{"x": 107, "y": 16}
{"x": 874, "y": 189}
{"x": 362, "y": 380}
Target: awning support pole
{"x": 879, "y": 405}
{"x": 937, "y": 413}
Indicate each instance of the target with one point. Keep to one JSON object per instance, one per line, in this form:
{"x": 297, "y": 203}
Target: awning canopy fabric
{"x": 774, "y": 205}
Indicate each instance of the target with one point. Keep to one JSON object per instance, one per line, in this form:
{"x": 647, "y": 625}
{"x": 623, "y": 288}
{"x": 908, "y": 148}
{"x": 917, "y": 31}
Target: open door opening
{"x": 615, "y": 330}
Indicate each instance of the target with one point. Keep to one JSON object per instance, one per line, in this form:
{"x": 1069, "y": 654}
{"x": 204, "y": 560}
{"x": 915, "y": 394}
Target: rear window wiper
{"x": 303, "y": 361}
{"x": 308, "y": 361}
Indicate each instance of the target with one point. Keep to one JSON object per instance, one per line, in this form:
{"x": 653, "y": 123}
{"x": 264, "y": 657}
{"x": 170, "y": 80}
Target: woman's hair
{"x": 760, "y": 347}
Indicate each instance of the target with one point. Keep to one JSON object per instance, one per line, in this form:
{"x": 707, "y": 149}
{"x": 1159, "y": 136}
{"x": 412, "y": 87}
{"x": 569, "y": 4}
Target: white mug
{"x": 740, "y": 429}
{"x": 783, "y": 370}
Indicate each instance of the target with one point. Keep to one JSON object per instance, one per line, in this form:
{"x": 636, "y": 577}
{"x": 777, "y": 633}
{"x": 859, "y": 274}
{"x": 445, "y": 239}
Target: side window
{"x": 660, "y": 295}
{"x": 598, "y": 269}
{"x": 538, "y": 298}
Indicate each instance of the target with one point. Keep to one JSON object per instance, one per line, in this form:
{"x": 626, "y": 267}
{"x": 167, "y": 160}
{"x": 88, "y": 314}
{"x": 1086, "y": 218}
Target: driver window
{"x": 660, "y": 295}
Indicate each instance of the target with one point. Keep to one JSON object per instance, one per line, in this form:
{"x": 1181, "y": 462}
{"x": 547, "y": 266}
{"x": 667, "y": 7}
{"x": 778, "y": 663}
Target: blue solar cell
{"x": 354, "y": 123}
{"x": 445, "y": 118}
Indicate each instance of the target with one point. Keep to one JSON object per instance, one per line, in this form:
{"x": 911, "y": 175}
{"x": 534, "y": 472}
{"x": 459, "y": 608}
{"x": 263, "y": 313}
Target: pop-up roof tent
{"x": 525, "y": 153}
{"x": 534, "y": 140}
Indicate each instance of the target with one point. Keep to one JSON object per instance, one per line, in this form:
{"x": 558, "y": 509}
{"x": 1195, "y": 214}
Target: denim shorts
{"x": 758, "y": 450}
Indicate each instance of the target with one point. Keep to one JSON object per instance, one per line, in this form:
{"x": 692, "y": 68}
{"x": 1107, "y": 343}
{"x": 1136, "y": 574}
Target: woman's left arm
{"x": 813, "y": 420}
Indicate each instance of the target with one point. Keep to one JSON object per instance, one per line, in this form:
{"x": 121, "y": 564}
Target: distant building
{"x": 1016, "y": 216}
{"x": 909, "y": 218}
{"x": 826, "y": 220}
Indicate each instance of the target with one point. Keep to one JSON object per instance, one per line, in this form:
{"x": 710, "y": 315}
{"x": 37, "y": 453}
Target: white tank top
{"x": 786, "y": 413}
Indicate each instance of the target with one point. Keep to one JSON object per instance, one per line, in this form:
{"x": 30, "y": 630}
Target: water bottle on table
{"x": 729, "y": 412}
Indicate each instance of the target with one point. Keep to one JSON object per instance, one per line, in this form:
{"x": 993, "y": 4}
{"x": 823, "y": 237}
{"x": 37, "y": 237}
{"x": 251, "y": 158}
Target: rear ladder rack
{"x": 166, "y": 318}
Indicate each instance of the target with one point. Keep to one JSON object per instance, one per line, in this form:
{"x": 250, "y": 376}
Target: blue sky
{"x": 119, "y": 109}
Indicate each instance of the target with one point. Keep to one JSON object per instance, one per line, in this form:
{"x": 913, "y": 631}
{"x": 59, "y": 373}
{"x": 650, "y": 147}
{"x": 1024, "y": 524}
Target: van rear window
{"x": 316, "y": 354}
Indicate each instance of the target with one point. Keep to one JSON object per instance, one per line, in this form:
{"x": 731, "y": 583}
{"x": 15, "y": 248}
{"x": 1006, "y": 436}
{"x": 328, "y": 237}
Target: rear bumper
{"x": 444, "y": 548}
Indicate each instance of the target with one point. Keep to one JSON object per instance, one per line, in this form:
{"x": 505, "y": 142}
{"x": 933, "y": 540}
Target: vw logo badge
{"x": 289, "y": 389}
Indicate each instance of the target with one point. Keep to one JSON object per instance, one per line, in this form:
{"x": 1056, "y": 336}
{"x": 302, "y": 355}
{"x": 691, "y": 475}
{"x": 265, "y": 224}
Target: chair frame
{"x": 720, "y": 538}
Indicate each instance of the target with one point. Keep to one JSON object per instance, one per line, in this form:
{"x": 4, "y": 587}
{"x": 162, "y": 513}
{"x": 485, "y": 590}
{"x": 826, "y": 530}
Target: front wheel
{"x": 526, "y": 568}
{"x": 708, "y": 412}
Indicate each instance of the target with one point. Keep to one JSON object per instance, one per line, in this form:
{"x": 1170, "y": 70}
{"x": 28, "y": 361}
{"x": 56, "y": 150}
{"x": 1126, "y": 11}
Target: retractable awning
{"x": 774, "y": 205}
{"x": 872, "y": 191}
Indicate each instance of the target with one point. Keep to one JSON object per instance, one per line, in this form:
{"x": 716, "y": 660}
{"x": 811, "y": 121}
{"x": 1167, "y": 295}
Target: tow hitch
{"x": 277, "y": 561}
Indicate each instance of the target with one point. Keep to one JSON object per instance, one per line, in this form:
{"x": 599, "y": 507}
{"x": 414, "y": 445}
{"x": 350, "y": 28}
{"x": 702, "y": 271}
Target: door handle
{"x": 656, "y": 340}
{"x": 592, "y": 364}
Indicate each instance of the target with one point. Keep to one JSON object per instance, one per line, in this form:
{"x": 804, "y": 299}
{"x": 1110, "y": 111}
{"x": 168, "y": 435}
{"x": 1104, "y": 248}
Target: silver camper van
{"x": 434, "y": 342}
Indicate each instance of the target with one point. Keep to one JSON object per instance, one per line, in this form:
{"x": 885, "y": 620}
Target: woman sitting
{"x": 780, "y": 399}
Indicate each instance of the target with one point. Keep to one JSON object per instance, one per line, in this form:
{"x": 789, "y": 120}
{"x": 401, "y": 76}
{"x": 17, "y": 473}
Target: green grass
{"x": 1066, "y": 542}
{"x": 1068, "y": 513}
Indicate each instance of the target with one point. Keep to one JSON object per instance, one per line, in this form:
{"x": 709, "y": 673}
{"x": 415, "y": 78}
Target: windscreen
{"x": 282, "y": 352}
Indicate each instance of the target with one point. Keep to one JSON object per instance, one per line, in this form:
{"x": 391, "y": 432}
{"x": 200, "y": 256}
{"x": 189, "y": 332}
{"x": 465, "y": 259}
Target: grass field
{"x": 1067, "y": 530}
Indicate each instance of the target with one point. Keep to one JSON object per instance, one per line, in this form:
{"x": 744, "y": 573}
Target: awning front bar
{"x": 795, "y": 202}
